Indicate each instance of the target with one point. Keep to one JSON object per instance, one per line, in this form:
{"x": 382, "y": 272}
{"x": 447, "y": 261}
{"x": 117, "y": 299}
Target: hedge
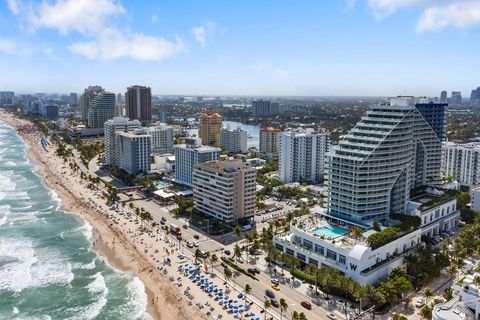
{"x": 237, "y": 268}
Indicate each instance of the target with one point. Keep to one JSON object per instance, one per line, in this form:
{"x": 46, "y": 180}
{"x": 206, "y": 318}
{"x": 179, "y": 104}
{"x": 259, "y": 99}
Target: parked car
{"x": 195, "y": 244}
{"x": 190, "y": 244}
{"x": 275, "y": 281}
{"x": 420, "y": 303}
{"x": 275, "y": 287}
{"x": 307, "y": 305}
{"x": 331, "y": 316}
{"x": 196, "y": 236}
{"x": 185, "y": 226}
{"x": 226, "y": 252}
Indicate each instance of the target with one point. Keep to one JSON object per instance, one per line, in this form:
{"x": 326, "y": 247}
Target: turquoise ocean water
{"x": 48, "y": 269}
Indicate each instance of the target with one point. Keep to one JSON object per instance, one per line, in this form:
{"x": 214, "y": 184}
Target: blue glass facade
{"x": 434, "y": 114}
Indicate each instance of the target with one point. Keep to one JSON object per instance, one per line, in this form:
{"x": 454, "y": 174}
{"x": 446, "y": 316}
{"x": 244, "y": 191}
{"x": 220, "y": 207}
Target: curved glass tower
{"x": 371, "y": 171}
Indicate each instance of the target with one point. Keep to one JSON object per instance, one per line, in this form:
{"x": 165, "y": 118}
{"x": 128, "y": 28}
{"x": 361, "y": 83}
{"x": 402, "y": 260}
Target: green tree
{"x": 266, "y": 305}
{"x": 428, "y": 293}
{"x": 283, "y": 307}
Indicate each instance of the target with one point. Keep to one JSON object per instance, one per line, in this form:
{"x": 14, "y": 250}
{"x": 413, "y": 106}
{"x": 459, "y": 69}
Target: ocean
{"x": 48, "y": 268}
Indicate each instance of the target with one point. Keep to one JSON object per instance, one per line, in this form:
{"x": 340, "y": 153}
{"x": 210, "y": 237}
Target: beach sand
{"x": 108, "y": 238}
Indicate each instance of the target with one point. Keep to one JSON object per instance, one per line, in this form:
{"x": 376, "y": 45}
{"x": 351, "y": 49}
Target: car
{"x": 223, "y": 264}
{"x": 274, "y": 303}
{"x": 226, "y": 252}
{"x": 275, "y": 281}
{"x": 195, "y": 244}
{"x": 239, "y": 260}
{"x": 185, "y": 226}
{"x": 307, "y": 305}
{"x": 257, "y": 270}
{"x": 250, "y": 270}
{"x": 331, "y": 316}
{"x": 164, "y": 219}
{"x": 269, "y": 293}
{"x": 190, "y": 244}
{"x": 162, "y": 222}
{"x": 196, "y": 236}
{"x": 275, "y": 287}
{"x": 420, "y": 303}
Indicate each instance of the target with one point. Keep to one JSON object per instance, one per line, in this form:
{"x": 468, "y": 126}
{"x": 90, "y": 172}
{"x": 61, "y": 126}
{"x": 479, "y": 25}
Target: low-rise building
{"x": 225, "y": 190}
{"x": 462, "y": 162}
{"x": 436, "y": 209}
{"x": 314, "y": 240}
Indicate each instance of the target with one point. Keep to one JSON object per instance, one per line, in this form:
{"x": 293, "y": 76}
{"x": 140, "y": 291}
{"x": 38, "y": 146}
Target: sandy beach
{"x": 109, "y": 238}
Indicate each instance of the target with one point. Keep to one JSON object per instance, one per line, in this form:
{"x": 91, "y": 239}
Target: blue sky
{"x": 246, "y": 47}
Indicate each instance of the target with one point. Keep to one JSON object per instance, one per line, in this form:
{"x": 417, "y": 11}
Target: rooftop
{"x": 225, "y": 166}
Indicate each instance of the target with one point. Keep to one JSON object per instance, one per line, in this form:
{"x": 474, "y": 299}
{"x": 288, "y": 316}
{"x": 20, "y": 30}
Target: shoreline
{"x": 106, "y": 241}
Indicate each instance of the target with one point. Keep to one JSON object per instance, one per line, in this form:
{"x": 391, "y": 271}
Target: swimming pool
{"x": 160, "y": 185}
{"x": 329, "y": 231}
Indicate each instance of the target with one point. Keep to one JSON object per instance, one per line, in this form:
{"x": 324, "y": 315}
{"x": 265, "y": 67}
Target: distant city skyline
{"x": 272, "y": 48}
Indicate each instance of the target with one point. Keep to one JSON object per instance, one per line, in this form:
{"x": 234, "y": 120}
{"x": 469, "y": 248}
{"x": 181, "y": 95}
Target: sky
{"x": 242, "y": 47}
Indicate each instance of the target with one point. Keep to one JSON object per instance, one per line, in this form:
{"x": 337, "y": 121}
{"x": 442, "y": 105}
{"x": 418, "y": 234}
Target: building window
{"x": 301, "y": 257}
{"x": 290, "y": 251}
{"x": 342, "y": 259}
{"x": 313, "y": 262}
{"x": 307, "y": 244}
{"x": 331, "y": 255}
{"x": 319, "y": 250}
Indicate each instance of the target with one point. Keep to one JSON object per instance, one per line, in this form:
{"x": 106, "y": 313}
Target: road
{"x": 292, "y": 296}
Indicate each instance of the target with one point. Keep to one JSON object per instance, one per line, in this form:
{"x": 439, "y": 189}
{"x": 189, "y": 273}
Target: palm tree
{"x": 302, "y": 316}
{"x": 237, "y": 251}
{"x": 238, "y": 232}
{"x": 357, "y": 232}
{"x": 228, "y": 273}
{"x": 283, "y": 307}
{"x": 198, "y": 255}
{"x": 266, "y": 305}
{"x": 248, "y": 289}
{"x": 295, "y": 315}
{"x": 213, "y": 259}
{"x": 428, "y": 293}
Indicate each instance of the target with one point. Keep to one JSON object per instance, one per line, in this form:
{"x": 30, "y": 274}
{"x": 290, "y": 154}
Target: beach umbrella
{"x": 235, "y": 311}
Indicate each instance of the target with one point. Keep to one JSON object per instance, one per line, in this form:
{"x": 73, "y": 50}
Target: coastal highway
{"x": 292, "y": 296}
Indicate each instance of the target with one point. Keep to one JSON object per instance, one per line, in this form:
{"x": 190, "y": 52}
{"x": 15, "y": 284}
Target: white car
{"x": 332, "y": 316}
{"x": 420, "y": 303}
{"x": 195, "y": 244}
{"x": 190, "y": 244}
{"x": 275, "y": 281}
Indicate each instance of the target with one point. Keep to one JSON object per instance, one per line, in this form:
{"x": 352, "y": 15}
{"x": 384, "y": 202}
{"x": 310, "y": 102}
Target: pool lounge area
{"x": 330, "y": 231}
{"x": 161, "y": 185}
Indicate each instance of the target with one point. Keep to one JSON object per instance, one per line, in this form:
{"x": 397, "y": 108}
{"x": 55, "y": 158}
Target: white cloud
{"x": 8, "y": 46}
{"x": 200, "y": 35}
{"x": 84, "y": 16}
{"x": 383, "y": 8}
{"x": 94, "y": 19}
{"x": 436, "y": 14}
{"x": 459, "y": 14}
{"x": 136, "y": 46}
{"x": 14, "y": 6}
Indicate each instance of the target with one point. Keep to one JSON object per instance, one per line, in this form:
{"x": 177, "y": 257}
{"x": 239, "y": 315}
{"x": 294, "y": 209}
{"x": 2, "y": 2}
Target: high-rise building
{"x": 435, "y": 115}
{"x": 225, "y": 190}
{"x": 261, "y": 108}
{"x": 270, "y": 142}
{"x": 162, "y": 138}
{"x": 372, "y": 170}
{"x": 303, "y": 155}
{"x": 6, "y": 98}
{"x": 443, "y": 96}
{"x": 234, "y": 140}
{"x": 102, "y": 108}
{"x": 111, "y": 139}
{"x": 86, "y": 99}
{"x": 209, "y": 128}
{"x": 134, "y": 150}
{"x": 462, "y": 162}
{"x": 189, "y": 154}
{"x": 73, "y": 99}
{"x": 138, "y": 103}
{"x": 456, "y": 97}
{"x": 475, "y": 96}
{"x": 164, "y": 116}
